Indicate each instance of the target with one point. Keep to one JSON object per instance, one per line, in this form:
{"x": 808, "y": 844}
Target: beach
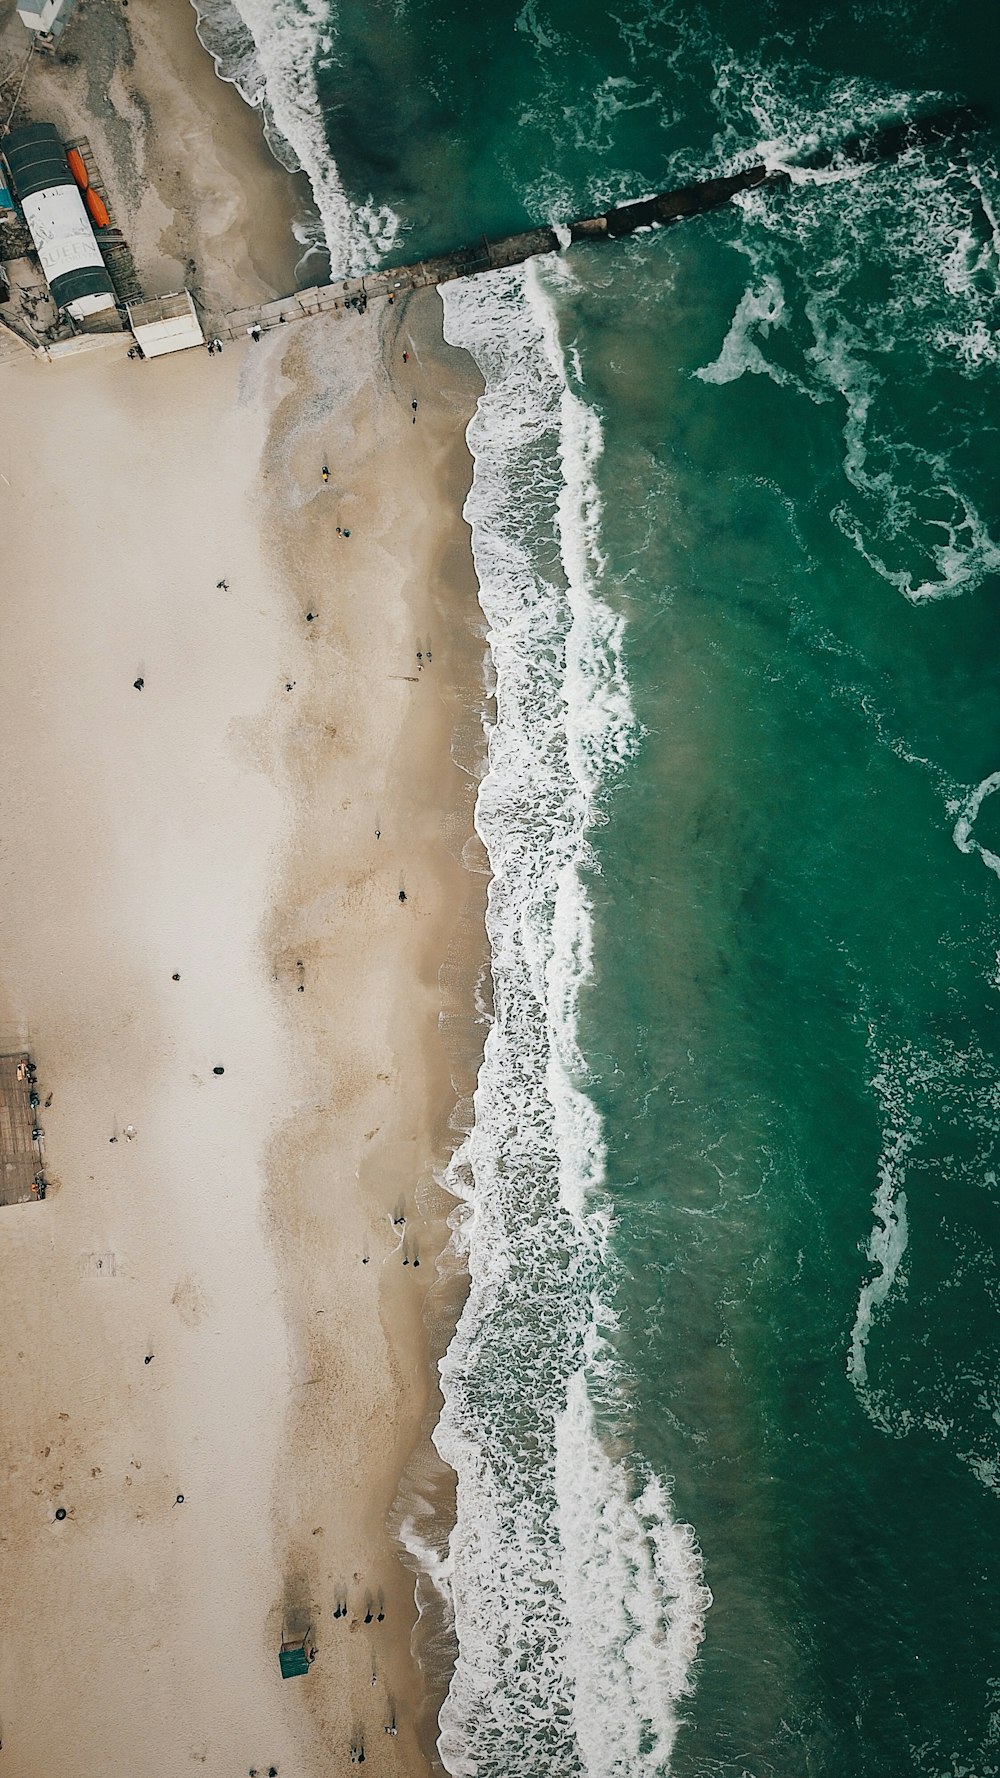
{"x": 240, "y": 935}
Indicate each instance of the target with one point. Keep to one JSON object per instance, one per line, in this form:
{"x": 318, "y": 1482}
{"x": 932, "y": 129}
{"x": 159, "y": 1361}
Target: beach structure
{"x": 60, "y": 227}
{"x": 165, "y": 324}
{"x": 47, "y": 18}
{"x": 20, "y": 1147}
{"x": 661, "y": 211}
{"x": 293, "y": 1656}
{"x": 115, "y": 251}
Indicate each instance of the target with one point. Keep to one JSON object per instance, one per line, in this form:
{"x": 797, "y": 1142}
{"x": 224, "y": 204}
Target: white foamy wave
{"x": 974, "y": 346}
{"x": 928, "y": 1368}
{"x": 886, "y": 1247}
{"x": 426, "y": 1558}
{"x": 577, "y": 1123}
{"x": 914, "y": 497}
{"x": 268, "y": 50}
{"x": 908, "y": 514}
{"x": 935, "y": 214}
{"x": 532, "y": 1220}
{"x": 635, "y": 1602}
{"x": 760, "y": 308}
{"x": 815, "y": 175}
{"x": 961, "y": 562}
{"x": 962, "y": 833}
{"x": 775, "y": 112}
{"x": 893, "y": 1083}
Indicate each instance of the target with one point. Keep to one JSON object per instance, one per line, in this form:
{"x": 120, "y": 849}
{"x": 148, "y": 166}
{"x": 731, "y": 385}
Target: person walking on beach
{"x": 325, "y": 473}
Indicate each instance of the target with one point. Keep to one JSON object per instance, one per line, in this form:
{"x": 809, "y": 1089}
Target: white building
{"x": 45, "y": 16}
{"x": 166, "y": 324}
{"x": 60, "y": 227}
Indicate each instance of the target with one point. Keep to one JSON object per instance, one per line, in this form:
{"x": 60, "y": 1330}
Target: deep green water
{"x": 789, "y": 1021}
{"x": 810, "y": 1005}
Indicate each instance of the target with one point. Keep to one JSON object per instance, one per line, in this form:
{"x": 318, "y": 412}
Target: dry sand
{"x": 253, "y": 839}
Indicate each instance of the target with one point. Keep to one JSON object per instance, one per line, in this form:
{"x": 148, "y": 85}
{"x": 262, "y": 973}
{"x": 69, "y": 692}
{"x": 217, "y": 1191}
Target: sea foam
{"x": 939, "y": 1110}
{"x": 910, "y": 514}
{"x": 268, "y": 49}
{"x": 565, "y": 1561}
{"x": 962, "y": 832}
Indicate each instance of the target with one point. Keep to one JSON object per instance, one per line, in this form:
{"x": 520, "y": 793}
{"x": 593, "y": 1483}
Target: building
{"x": 46, "y": 17}
{"x": 57, "y": 221}
{"x": 166, "y": 324}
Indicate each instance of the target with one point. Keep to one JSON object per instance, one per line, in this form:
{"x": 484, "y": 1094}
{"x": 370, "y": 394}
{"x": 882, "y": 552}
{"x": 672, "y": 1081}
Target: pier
{"x": 489, "y": 256}
{"x": 889, "y": 142}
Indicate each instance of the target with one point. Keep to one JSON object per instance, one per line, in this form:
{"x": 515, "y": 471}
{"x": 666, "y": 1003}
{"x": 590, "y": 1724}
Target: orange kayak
{"x": 95, "y": 204}
{"x": 77, "y": 168}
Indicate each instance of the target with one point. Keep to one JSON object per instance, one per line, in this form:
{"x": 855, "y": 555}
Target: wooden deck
{"x": 20, "y": 1155}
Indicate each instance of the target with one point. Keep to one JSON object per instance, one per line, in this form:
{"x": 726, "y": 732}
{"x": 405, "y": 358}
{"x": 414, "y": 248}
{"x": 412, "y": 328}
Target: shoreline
{"x": 334, "y": 1206}
{"x": 310, "y": 1460}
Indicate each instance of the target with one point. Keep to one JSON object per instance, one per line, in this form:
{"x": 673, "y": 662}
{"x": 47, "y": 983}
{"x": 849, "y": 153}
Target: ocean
{"x": 724, "y": 1401}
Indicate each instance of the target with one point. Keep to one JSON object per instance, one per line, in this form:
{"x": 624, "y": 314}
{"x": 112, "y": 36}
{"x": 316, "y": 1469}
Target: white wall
{"x": 170, "y": 334}
{"x": 38, "y": 15}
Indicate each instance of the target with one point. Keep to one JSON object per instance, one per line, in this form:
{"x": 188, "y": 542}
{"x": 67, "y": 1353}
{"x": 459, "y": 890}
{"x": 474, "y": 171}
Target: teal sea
{"x": 724, "y": 1403}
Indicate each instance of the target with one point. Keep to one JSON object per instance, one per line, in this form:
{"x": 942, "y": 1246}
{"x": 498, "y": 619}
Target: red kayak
{"x": 78, "y": 168}
{"x": 98, "y": 214}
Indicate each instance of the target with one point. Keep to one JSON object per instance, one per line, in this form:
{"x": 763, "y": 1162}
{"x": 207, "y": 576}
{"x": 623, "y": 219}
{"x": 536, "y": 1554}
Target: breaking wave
{"x": 269, "y": 50}
{"x": 578, "y": 1601}
{"x": 912, "y": 514}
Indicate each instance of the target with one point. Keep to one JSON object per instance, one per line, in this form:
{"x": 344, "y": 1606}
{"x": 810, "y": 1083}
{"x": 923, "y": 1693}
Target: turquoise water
{"x": 725, "y": 1403}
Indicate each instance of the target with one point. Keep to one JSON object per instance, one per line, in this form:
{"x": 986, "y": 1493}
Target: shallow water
{"x": 730, "y": 1201}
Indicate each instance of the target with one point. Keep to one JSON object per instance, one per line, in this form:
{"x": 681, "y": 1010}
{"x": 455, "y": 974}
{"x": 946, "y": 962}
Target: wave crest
{"x": 268, "y": 50}
{"x": 547, "y": 1521}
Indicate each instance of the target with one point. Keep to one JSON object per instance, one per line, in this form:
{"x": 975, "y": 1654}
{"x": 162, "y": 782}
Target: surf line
{"x": 886, "y": 143}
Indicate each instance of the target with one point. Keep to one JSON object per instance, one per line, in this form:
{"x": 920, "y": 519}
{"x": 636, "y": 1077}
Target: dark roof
{"x": 86, "y": 280}
{"x": 37, "y": 159}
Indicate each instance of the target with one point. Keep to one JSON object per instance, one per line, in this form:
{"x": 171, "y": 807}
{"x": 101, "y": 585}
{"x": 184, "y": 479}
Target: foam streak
{"x": 545, "y": 1519}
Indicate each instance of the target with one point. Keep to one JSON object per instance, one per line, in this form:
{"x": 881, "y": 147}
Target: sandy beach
{"x": 256, "y": 862}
